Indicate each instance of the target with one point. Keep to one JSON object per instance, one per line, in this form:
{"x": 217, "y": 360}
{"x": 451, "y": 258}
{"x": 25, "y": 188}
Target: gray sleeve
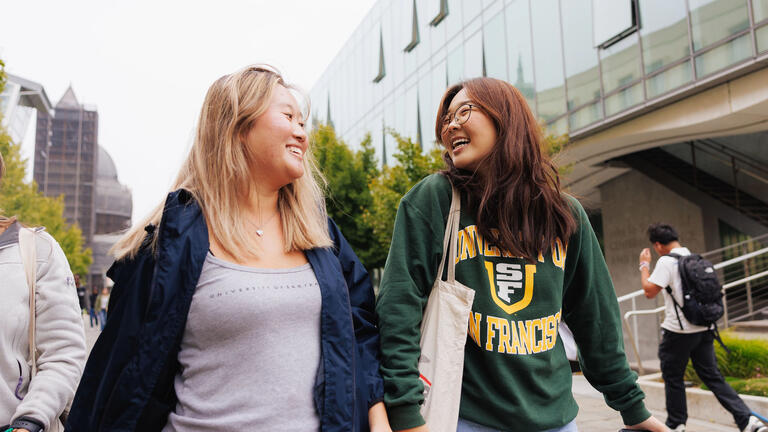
{"x": 59, "y": 335}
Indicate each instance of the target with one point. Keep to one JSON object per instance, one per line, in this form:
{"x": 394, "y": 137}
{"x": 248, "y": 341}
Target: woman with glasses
{"x": 529, "y": 253}
{"x": 237, "y": 304}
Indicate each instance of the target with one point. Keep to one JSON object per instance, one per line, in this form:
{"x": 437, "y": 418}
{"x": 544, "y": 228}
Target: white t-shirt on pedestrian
{"x": 666, "y": 274}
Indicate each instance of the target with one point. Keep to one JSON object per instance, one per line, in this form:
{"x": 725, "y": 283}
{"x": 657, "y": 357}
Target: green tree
{"x": 22, "y": 199}
{"x": 390, "y": 186}
{"x": 348, "y": 175}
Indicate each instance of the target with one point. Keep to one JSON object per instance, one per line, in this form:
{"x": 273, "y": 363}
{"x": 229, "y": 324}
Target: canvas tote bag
{"x": 29, "y": 261}
{"x": 443, "y": 335}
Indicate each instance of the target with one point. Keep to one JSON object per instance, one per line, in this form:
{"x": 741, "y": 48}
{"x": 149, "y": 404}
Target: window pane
{"x": 585, "y": 116}
{"x": 614, "y": 17}
{"x": 411, "y": 115}
{"x": 715, "y": 20}
{"x": 624, "y": 99}
{"x": 724, "y": 56}
{"x": 548, "y": 59}
{"x": 664, "y": 33}
{"x": 582, "y": 77}
{"x": 495, "y": 50}
{"x": 762, "y": 39}
{"x": 471, "y": 10}
{"x": 426, "y": 112}
{"x": 452, "y": 21}
{"x": 669, "y": 79}
{"x": 456, "y": 65}
{"x": 621, "y": 64}
{"x": 438, "y": 88}
{"x": 473, "y": 56}
{"x": 559, "y": 126}
{"x": 760, "y": 10}
{"x": 519, "y": 45}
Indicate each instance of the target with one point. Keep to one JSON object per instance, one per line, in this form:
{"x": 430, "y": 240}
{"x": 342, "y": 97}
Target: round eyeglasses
{"x": 460, "y": 116}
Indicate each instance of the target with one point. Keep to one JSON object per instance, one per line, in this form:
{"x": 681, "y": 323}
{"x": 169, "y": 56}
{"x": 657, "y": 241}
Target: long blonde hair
{"x": 217, "y": 173}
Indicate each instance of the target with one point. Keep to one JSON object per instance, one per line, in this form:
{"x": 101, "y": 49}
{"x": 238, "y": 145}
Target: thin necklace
{"x": 260, "y": 226}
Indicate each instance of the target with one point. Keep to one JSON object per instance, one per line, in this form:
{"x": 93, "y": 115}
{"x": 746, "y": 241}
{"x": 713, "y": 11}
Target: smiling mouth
{"x": 296, "y": 151}
{"x": 459, "y": 143}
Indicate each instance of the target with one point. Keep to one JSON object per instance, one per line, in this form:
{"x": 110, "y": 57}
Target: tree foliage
{"x": 348, "y": 175}
{"x": 22, "y": 199}
{"x": 390, "y": 186}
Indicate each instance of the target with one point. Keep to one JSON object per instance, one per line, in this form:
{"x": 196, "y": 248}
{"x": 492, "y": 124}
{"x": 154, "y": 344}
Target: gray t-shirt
{"x": 250, "y": 351}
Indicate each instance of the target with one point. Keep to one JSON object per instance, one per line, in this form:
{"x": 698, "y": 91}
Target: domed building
{"x": 113, "y": 205}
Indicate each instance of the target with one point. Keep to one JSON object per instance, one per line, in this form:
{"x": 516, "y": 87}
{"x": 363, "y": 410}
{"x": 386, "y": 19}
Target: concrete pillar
{"x": 630, "y": 203}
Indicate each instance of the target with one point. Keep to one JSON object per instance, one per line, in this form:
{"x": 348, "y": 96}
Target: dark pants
{"x": 93, "y": 317}
{"x": 674, "y": 351}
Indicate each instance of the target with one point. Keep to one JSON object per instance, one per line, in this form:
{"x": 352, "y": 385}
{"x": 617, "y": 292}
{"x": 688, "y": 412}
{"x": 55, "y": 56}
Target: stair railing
{"x": 633, "y": 331}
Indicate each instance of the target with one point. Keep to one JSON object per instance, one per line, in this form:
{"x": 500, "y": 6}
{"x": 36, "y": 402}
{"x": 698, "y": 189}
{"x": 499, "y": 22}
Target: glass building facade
{"x": 583, "y": 65}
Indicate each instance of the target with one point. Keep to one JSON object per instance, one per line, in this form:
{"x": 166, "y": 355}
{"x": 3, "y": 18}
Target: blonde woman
{"x": 33, "y": 402}
{"x": 237, "y": 304}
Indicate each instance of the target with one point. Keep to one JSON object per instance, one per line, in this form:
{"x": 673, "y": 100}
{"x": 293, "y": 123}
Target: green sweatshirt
{"x": 516, "y": 375}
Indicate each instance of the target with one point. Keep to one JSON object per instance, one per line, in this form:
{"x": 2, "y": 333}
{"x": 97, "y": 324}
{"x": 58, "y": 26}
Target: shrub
{"x": 745, "y": 366}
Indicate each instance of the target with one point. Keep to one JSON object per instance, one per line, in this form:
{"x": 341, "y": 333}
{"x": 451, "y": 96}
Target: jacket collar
{"x": 10, "y": 236}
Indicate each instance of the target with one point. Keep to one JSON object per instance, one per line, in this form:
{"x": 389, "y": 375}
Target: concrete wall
{"x": 630, "y": 203}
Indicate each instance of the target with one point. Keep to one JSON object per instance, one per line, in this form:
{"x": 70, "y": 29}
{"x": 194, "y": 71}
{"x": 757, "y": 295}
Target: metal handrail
{"x": 634, "y": 313}
{"x": 736, "y": 245}
{"x": 741, "y": 258}
{"x": 632, "y": 339}
{"x": 745, "y": 280}
{"x": 739, "y": 156}
{"x": 717, "y": 266}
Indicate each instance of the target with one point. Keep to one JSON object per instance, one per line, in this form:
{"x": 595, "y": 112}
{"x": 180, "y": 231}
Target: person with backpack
{"x": 693, "y": 302}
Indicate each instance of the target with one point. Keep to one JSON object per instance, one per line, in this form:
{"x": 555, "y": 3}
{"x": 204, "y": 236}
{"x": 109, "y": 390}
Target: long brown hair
{"x": 519, "y": 204}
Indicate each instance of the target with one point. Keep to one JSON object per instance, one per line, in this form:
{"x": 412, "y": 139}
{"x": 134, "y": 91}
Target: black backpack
{"x": 702, "y": 292}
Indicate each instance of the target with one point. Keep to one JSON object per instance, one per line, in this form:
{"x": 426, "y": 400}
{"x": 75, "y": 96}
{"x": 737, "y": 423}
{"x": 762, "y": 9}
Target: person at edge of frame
{"x": 237, "y": 304}
{"x": 682, "y": 340}
{"x": 530, "y": 254}
{"x": 31, "y": 402}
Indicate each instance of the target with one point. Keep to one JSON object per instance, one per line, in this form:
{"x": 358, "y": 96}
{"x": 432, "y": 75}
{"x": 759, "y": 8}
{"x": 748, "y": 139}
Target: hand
{"x": 651, "y": 424}
{"x": 645, "y": 255}
{"x": 377, "y": 418}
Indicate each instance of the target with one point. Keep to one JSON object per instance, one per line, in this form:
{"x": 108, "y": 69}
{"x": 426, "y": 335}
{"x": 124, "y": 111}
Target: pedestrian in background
{"x": 238, "y": 304}
{"x": 681, "y": 340}
{"x": 32, "y": 400}
{"x": 102, "y": 306}
{"x": 529, "y": 253}
{"x": 92, "y": 306}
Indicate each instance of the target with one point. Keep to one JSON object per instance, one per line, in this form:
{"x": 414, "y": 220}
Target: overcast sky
{"x": 146, "y": 65}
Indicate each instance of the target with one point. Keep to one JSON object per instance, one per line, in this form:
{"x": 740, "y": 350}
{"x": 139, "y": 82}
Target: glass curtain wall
{"x": 546, "y": 48}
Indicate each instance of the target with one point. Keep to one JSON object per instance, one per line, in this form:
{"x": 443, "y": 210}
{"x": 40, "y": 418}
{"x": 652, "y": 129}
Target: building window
{"x": 414, "y": 30}
{"x": 382, "y": 71}
{"x": 614, "y": 20}
{"x": 441, "y": 14}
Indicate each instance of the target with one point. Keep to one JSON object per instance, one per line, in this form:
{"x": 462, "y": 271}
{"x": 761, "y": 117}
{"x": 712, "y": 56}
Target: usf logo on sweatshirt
{"x": 511, "y": 284}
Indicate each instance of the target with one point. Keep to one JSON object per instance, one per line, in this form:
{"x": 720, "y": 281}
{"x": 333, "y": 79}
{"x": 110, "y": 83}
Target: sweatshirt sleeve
{"x": 407, "y": 280}
{"x": 591, "y": 311}
{"x": 59, "y": 336}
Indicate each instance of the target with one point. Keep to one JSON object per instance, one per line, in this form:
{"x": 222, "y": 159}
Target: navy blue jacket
{"x": 128, "y": 380}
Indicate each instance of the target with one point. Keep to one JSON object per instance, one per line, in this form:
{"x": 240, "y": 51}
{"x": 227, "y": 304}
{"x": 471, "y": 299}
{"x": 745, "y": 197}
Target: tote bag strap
{"x": 451, "y": 237}
{"x": 29, "y": 261}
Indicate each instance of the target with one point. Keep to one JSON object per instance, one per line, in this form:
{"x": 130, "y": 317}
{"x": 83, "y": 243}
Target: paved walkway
{"x": 596, "y": 416}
